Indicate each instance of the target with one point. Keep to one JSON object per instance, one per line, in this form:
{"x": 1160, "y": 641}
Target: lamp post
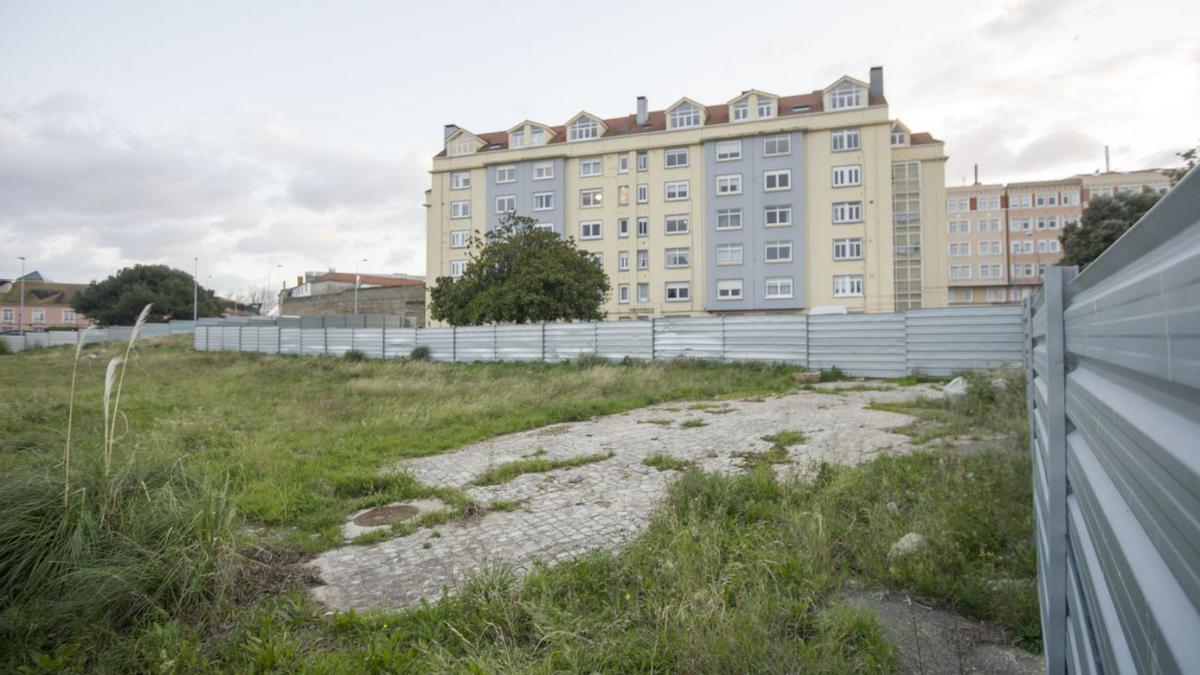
{"x": 21, "y": 315}
{"x": 269, "y": 272}
{"x": 356, "y": 284}
{"x": 195, "y": 289}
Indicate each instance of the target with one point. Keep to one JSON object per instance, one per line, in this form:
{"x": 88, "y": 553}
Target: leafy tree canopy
{"x": 1104, "y": 221}
{"x": 521, "y": 273}
{"x": 1189, "y": 162}
{"x": 120, "y": 298}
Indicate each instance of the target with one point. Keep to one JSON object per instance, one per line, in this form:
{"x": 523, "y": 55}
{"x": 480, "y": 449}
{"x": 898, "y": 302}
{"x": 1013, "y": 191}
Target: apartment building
{"x": 763, "y": 203}
{"x": 1002, "y": 237}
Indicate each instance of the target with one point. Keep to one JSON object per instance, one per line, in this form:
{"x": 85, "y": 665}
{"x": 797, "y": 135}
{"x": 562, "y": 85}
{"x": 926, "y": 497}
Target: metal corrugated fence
{"x": 1113, "y": 359}
{"x": 17, "y": 343}
{"x": 935, "y": 342}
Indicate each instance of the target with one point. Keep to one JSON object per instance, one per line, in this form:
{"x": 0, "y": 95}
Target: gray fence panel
{"x": 200, "y": 338}
{"x": 247, "y": 338}
{"x": 268, "y": 339}
{"x": 181, "y": 327}
{"x": 475, "y": 343}
{"x": 566, "y": 341}
{"x": 369, "y": 341}
{"x": 154, "y": 330}
{"x": 291, "y": 341}
{"x": 781, "y": 338}
{"x": 230, "y": 338}
{"x": 697, "y": 338}
{"x": 62, "y": 337}
{"x": 616, "y": 340}
{"x": 398, "y": 343}
{"x": 519, "y": 343}
{"x": 869, "y": 345}
{"x": 15, "y": 343}
{"x": 312, "y": 341}
{"x": 338, "y": 341}
{"x": 1126, "y": 480}
{"x": 440, "y": 342}
{"x": 944, "y": 341}
{"x": 312, "y": 322}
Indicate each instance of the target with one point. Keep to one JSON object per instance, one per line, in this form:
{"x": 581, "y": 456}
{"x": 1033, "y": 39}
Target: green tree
{"x": 1189, "y": 162}
{"x": 118, "y": 299}
{"x": 1104, "y": 221}
{"x": 521, "y": 274}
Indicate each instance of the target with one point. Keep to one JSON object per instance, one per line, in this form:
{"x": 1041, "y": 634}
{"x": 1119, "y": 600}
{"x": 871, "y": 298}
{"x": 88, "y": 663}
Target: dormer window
{"x": 898, "y": 137}
{"x": 685, "y": 116}
{"x": 463, "y": 145}
{"x": 584, "y": 129}
{"x": 517, "y": 139}
{"x": 537, "y": 137}
{"x": 766, "y": 108}
{"x": 740, "y": 111}
{"x": 846, "y": 95}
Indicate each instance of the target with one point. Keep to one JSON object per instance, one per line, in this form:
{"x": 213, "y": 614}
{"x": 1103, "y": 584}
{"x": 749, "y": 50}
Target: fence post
{"x": 453, "y": 344}
{"x": 653, "y": 339}
{"x": 543, "y": 324}
{"x": 324, "y": 338}
{"x": 278, "y": 338}
{"x": 1055, "y": 632}
{"x": 722, "y": 338}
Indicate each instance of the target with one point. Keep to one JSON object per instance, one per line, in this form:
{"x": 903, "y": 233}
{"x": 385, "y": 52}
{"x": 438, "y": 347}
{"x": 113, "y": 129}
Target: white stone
{"x": 955, "y": 389}
{"x": 907, "y": 545}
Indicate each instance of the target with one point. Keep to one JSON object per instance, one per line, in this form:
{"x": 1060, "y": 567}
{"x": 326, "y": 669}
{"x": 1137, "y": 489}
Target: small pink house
{"x": 47, "y": 304}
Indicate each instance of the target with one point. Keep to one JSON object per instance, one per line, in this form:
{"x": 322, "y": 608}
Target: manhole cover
{"x": 385, "y": 514}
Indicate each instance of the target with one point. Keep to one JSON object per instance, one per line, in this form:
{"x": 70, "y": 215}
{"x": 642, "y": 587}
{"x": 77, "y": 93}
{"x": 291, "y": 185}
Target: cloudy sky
{"x": 298, "y": 134}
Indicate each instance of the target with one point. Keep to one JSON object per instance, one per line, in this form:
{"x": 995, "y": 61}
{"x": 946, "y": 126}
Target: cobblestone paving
{"x": 567, "y": 512}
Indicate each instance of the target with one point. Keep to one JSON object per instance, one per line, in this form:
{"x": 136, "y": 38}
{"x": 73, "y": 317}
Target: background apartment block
{"x": 763, "y": 203}
{"x": 1001, "y": 238}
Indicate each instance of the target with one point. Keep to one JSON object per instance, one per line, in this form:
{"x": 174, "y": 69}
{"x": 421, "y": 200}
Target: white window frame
{"x": 740, "y": 111}
{"x": 543, "y": 201}
{"x": 516, "y": 139}
{"x": 780, "y": 247}
{"x": 672, "y": 158}
{"x": 846, "y": 95}
{"x": 543, "y": 171}
{"x": 460, "y": 238}
{"x": 849, "y": 175}
{"x": 506, "y": 174}
{"x": 729, "y": 254}
{"x": 777, "y": 145}
{"x": 623, "y": 227}
{"x": 642, "y": 258}
{"x": 460, "y": 266}
{"x": 729, "y": 184}
{"x": 643, "y": 292}
{"x": 591, "y": 166}
{"x": 684, "y": 116}
{"x": 623, "y": 294}
{"x": 461, "y": 146}
{"x": 682, "y": 291}
{"x": 848, "y": 212}
{"x": 769, "y": 106}
{"x": 847, "y": 285}
{"x": 591, "y": 198}
{"x": 846, "y": 140}
{"x": 777, "y": 210}
{"x": 678, "y": 257}
{"x": 460, "y": 209}
{"x": 775, "y": 175}
{"x": 643, "y": 193}
{"x": 729, "y": 151}
{"x": 729, "y": 216}
{"x": 780, "y": 284}
{"x": 623, "y": 163}
{"x": 584, "y": 128}
{"x": 729, "y": 289}
{"x": 623, "y": 261}
{"x": 460, "y": 180}
{"x": 643, "y": 160}
{"x": 506, "y": 204}
{"x": 677, "y": 190}
{"x": 643, "y": 226}
{"x": 590, "y": 229}
{"x": 848, "y": 248}
{"x": 671, "y": 223}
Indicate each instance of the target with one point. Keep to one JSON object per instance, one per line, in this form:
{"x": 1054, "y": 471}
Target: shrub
{"x": 833, "y": 374}
{"x": 354, "y": 355}
{"x": 590, "y": 360}
{"x": 4, "y": 350}
{"x": 419, "y": 353}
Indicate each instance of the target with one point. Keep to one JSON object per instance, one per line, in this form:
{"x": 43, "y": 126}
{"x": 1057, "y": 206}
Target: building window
{"x": 729, "y": 289}
{"x": 543, "y": 171}
{"x": 68, "y": 316}
{"x": 643, "y": 161}
{"x": 676, "y": 190}
{"x": 897, "y": 136}
{"x": 740, "y": 111}
{"x": 684, "y": 116}
{"x": 623, "y": 163}
{"x": 847, "y": 175}
{"x": 549, "y": 227}
{"x": 8, "y": 315}
{"x": 506, "y": 203}
{"x": 774, "y": 181}
{"x": 847, "y": 286}
{"x": 643, "y": 193}
{"x": 623, "y": 261}
{"x": 597, "y": 259}
{"x": 543, "y": 201}
{"x": 623, "y": 195}
{"x": 729, "y": 254}
{"x": 995, "y": 295}
{"x": 847, "y": 212}
{"x": 623, "y": 294}
{"x": 460, "y": 238}
{"x": 676, "y": 157}
{"x": 766, "y": 108}
{"x": 678, "y": 224}
{"x": 591, "y": 199}
{"x": 517, "y": 139}
{"x": 643, "y": 225}
{"x": 846, "y": 95}
{"x": 730, "y": 184}
{"x": 778, "y": 287}
{"x": 39, "y": 316}
{"x": 461, "y": 180}
{"x": 591, "y": 166}
{"x": 845, "y": 140}
{"x": 622, "y": 227}
{"x": 505, "y": 174}
{"x": 589, "y": 229}
{"x": 463, "y": 146}
{"x": 777, "y": 216}
{"x": 537, "y": 137}
{"x": 458, "y": 267}
{"x": 679, "y": 291}
{"x": 728, "y": 151}
{"x": 847, "y": 249}
{"x": 643, "y": 259}
{"x": 678, "y": 257}
{"x": 643, "y": 291}
{"x": 779, "y": 251}
{"x": 584, "y": 128}
{"x": 773, "y": 146}
{"x": 460, "y": 209}
{"x": 729, "y": 219}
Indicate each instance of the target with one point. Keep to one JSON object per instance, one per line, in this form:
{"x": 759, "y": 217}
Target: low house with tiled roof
{"x": 47, "y": 304}
{"x": 322, "y": 294}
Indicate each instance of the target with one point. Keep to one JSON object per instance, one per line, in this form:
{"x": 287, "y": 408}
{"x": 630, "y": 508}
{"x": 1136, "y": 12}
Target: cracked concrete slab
{"x": 568, "y": 512}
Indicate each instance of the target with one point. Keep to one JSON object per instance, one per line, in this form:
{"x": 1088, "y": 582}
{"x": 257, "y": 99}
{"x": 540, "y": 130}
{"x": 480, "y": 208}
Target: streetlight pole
{"x": 195, "y": 289}
{"x": 21, "y": 316}
{"x": 356, "y": 285}
{"x": 269, "y": 272}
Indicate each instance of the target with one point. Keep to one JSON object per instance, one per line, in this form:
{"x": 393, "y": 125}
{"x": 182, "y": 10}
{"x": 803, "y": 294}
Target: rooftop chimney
{"x": 876, "y": 88}
{"x": 642, "y": 115}
{"x": 449, "y": 131}
{"x": 977, "y": 174}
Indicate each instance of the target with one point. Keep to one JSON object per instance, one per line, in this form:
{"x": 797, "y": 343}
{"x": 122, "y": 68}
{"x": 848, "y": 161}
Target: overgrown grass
{"x": 693, "y": 424}
{"x": 304, "y": 439}
{"x": 785, "y": 438}
{"x": 993, "y": 405}
{"x": 502, "y": 473}
{"x": 664, "y": 462}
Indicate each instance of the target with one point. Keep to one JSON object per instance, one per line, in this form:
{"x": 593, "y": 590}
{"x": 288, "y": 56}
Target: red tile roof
{"x": 922, "y": 138}
{"x": 371, "y": 279}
